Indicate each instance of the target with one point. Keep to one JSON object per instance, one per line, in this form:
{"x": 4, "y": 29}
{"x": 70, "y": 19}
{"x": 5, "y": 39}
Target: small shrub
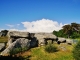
{"x": 18, "y": 50}
{"x": 15, "y": 51}
{"x": 51, "y": 48}
{"x": 76, "y": 51}
{"x": 24, "y": 49}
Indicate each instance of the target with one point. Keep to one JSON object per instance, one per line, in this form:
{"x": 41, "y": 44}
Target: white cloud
{"x": 43, "y": 25}
{"x": 9, "y": 25}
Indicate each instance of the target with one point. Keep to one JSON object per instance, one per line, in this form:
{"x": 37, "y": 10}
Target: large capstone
{"x": 18, "y": 34}
{"x": 41, "y": 37}
{"x": 14, "y": 35}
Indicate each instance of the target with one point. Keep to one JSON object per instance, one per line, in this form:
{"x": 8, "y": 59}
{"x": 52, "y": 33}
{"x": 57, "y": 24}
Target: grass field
{"x": 39, "y": 53}
{"x": 3, "y": 39}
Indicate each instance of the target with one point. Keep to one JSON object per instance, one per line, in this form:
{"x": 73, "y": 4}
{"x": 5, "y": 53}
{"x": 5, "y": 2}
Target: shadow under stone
{"x": 9, "y": 58}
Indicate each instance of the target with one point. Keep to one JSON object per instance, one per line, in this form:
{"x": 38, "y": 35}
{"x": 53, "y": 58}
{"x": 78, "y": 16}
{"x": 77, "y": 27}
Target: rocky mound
{"x": 26, "y": 39}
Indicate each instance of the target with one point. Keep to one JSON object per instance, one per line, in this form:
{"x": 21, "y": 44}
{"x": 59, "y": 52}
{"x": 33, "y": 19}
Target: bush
{"x": 76, "y": 51}
{"x": 60, "y": 33}
{"x": 18, "y": 50}
{"x": 24, "y": 49}
{"x": 15, "y": 51}
{"x": 51, "y": 48}
{"x": 75, "y": 35}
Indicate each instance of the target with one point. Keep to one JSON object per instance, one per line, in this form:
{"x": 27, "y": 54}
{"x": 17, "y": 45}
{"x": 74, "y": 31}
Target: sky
{"x": 38, "y": 15}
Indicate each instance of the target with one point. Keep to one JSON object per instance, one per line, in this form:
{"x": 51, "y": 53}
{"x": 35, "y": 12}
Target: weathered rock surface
{"x": 42, "y": 36}
{"x": 18, "y": 34}
{"x": 45, "y": 35}
{"x": 64, "y": 40}
{"x": 50, "y": 35}
{"x": 13, "y": 35}
{"x": 61, "y": 40}
{"x": 21, "y": 42}
{"x": 69, "y": 41}
{"x": 22, "y": 39}
{"x": 2, "y": 45}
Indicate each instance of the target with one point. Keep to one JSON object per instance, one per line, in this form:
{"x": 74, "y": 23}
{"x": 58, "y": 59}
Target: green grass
{"x": 40, "y": 54}
{"x": 3, "y": 39}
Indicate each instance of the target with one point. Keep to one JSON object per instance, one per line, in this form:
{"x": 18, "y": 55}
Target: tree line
{"x": 69, "y": 31}
{"x": 3, "y": 33}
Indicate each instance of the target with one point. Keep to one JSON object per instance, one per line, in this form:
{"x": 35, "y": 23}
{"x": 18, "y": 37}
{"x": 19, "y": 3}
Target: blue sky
{"x": 13, "y": 12}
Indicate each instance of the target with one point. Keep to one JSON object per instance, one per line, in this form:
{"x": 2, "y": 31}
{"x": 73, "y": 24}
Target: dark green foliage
{"x": 15, "y": 51}
{"x": 60, "y": 33}
{"x": 51, "y": 48}
{"x": 69, "y": 31}
{"x": 4, "y": 32}
{"x": 76, "y": 51}
{"x": 24, "y": 49}
{"x": 18, "y": 50}
{"x": 75, "y": 35}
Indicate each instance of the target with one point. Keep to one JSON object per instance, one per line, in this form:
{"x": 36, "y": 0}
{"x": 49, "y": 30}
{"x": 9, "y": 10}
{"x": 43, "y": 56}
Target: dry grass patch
{"x": 3, "y": 39}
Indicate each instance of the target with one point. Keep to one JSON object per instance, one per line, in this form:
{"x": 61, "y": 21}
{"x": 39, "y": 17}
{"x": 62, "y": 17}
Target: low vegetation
{"x": 40, "y": 53}
{"x": 51, "y": 48}
{"x": 18, "y": 50}
{"x": 76, "y": 51}
{"x": 3, "y": 39}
